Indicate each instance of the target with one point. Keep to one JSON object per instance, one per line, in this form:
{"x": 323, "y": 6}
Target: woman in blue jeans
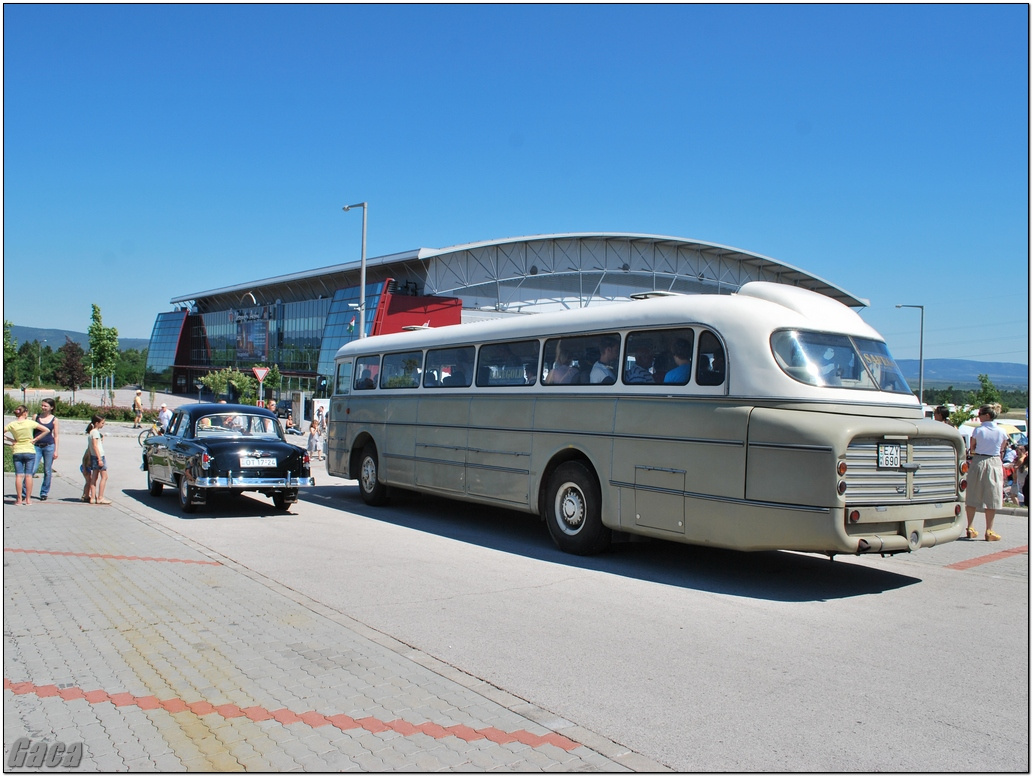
{"x": 47, "y": 448}
{"x": 23, "y": 434}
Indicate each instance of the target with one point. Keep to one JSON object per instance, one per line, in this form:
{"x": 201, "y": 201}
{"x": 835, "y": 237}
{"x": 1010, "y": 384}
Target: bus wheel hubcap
{"x": 572, "y": 508}
{"x": 369, "y": 475}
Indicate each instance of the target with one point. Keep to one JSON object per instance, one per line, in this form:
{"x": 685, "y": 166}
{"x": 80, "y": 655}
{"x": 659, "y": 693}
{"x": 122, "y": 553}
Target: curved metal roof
{"x": 324, "y": 281}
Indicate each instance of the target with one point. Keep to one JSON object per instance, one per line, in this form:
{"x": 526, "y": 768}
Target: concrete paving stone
{"x": 108, "y": 762}
{"x": 255, "y": 763}
{"x": 370, "y": 763}
{"x": 165, "y": 762}
{"x": 281, "y": 762}
{"x": 170, "y": 651}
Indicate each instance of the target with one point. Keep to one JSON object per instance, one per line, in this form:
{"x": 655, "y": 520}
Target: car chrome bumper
{"x": 245, "y": 482}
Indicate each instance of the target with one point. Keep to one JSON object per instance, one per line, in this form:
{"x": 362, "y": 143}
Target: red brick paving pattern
{"x": 287, "y": 717}
{"x": 110, "y": 556}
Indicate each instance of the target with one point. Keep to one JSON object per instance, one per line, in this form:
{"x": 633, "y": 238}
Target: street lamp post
{"x": 39, "y": 364}
{"x": 921, "y": 349}
{"x": 362, "y": 270}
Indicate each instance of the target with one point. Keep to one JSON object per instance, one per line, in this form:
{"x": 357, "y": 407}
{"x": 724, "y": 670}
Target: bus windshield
{"x": 823, "y": 359}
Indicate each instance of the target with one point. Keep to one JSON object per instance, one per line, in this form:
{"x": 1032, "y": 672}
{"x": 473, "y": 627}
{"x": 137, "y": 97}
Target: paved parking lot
{"x": 430, "y": 635}
{"x": 160, "y": 655}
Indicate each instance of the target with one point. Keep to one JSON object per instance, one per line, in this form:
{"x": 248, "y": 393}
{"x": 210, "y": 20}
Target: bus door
{"x": 651, "y": 463}
{"x": 498, "y": 463}
{"x": 442, "y": 420}
{"x": 441, "y": 435}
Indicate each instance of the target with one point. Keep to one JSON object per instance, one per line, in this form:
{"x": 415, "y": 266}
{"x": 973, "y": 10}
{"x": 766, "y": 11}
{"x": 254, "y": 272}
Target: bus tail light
{"x": 842, "y": 487}
{"x": 962, "y": 485}
{"x": 964, "y": 468}
{"x": 957, "y": 510}
{"x": 855, "y": 516}
{"x": 841, "y": 469}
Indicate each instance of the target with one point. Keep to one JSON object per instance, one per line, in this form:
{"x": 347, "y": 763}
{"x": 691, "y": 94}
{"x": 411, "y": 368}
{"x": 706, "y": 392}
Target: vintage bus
{"x": 772, "y": 418}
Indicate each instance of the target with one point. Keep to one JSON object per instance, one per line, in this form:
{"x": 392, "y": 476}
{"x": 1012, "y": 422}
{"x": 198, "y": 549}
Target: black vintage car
{"x": 212, "y": 448}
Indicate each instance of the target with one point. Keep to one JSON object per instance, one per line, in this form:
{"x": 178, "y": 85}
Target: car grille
{"x": 935, "y": 479}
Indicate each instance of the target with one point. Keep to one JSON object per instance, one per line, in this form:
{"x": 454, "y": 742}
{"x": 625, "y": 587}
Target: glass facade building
{"x": 297, "y": 322}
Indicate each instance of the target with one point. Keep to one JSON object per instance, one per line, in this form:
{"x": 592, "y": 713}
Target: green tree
{"x": 71, "y": 373}
{"x": 10, "y": 355}
{"x": 103, "y": 346}
{"x": 130, "y": 368}
{"x": 244, "y": 384}
{"x": 988, "y": 393}
{"x": 217, "y": 382}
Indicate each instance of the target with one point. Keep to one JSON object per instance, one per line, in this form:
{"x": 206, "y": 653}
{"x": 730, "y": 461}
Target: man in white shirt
{"x": 164, "y": 416}
{"x": 602, "y": 371}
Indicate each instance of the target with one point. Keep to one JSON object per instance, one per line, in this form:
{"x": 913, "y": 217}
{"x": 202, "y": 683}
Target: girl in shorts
{"x": 98, "y": 462}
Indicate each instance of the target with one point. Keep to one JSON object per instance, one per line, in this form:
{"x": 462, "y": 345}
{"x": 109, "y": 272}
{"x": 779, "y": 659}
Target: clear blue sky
{"x": 154, "y": 150}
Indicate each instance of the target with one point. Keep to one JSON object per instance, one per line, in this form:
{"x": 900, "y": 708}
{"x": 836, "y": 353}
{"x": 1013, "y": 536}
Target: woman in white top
{"x": 986, "y": 475}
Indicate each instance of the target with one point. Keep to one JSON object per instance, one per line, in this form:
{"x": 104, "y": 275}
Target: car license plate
{"x": 248, "y": 462}
{"x": 889, "y": 456}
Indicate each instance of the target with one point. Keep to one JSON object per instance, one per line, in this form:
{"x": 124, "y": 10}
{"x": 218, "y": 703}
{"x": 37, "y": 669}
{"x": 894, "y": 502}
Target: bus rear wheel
{"x": 574, "y": 510}
{"x": 372, "y": 490}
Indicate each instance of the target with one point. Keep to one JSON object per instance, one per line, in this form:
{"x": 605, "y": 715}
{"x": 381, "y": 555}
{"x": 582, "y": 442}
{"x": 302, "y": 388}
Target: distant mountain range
{"x": 964, "y": 374}
{"x": 960, "y": 373}
{"x": 55, "y": 338}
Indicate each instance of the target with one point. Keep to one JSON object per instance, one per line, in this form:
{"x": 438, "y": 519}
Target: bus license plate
{"x": 258, "y": 462}
{"x": 889, "y": 456}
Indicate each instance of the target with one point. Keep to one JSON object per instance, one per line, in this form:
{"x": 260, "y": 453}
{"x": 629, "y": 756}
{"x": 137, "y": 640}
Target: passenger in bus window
{"x": 562, "y": 371}
{"x": 365, "y": 380}
{"x": 710, "y": 369}
{"x": 639, "y": 369}
{"x": 602, "y": 370}
{"x": 682, "y": 352}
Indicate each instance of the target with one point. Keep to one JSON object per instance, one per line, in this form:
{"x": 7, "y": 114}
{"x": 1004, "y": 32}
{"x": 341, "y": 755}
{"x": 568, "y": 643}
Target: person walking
{"x": 98, "y": 461}
{"x": 986, "y": 475}
{"x": 315, "y": 442}
{"x": 137, "y": 410}
{"x": 24, "y": 434}
{"x": 47, "y": 448}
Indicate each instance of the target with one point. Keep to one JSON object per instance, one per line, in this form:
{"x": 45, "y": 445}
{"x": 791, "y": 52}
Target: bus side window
{"x": 452, "y": 368}
{"x": 508, "y": 364}
{"x": 344, "y": 378}
{"x": 402, "y": 370}
{"x": 367, "y": 368}
{"x": 710, "y": 364}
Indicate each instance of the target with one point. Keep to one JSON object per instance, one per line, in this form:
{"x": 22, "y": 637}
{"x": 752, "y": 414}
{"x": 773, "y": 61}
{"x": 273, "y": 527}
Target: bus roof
{"x": 758, "y": 304}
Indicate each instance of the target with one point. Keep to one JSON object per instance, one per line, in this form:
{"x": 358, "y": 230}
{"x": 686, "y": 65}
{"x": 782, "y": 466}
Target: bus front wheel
{"x": 372, "y": 490}
{"x": 574, "y": 510}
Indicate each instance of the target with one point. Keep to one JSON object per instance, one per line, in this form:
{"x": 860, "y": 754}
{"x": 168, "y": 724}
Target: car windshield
{"x": 823, "y": 359}
{"x": 237, "y": 425}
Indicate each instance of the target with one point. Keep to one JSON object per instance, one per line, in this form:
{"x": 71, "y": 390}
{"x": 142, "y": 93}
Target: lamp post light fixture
{"x": 199, "y": 385}
{"x": 362, "y": 269}
{"x": 921, "y": 349}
